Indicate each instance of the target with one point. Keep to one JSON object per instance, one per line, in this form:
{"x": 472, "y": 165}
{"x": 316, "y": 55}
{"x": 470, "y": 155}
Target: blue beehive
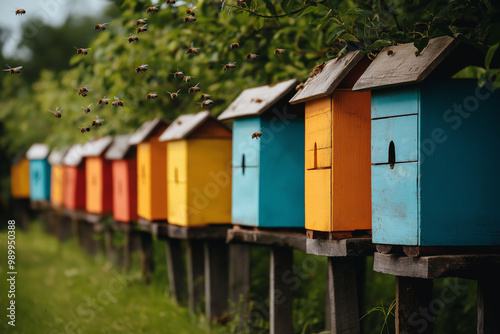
{"x": 268, "y": 172}
{"x": 434, "y": 150}
{"x": 39, "y": 172}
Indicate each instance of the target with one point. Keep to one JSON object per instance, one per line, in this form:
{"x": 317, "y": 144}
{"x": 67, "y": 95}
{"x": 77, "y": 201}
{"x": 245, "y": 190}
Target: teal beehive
{"x": 39, "y": 172}
{"x": 434, "y": 149}
{"x": 267, "y": 157}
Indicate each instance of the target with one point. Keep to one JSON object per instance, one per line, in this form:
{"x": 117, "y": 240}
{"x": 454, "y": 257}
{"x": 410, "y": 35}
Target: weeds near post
{"x": 385, "y": 311}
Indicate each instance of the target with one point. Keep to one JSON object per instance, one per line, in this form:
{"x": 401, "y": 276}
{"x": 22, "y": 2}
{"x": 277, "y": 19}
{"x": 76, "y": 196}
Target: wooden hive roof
{"x": 147, "y": 130}
{"x": 56, "y": 157}
{"x": 119, "y": 148}
{"x": 96, "y": 148}
{"x": 74, "y": 156}
{"x": 38, "y": 152}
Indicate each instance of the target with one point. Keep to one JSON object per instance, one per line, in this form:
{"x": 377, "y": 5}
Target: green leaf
{"x": 490, "y": 54}
{"x": 270, "y": 7}
{"x": 421, "y": 43}
{"x": 336, "y": 33}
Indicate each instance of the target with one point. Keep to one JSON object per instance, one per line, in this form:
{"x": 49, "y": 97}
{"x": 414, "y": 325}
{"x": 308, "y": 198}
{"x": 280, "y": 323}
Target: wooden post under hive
{"x": 175, "y": 269}
{"x": 195, "y": 272}
{"x": 239, "y": 282}
{"x": 488, "y": 304}
{"x": 147, "y": 261}
{"x": 280, "y": 294}
{"x": 412, "y": 296}
{"x": 216, "y": 280}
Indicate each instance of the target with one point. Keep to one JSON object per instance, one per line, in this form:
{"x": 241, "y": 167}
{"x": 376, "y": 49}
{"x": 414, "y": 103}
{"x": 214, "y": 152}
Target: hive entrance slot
{"x": 243, "y": 164}
{"x": 176, "y": 175}
{"x": 392, "y": 155}
{"x": 143, "y": 172}
{"x": 315, "y": 155}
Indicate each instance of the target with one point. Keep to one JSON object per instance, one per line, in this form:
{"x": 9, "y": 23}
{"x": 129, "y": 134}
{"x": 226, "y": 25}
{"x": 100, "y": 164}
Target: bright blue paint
{"x": 39, "y": 180}
{"x": 395, "y": 102}
{"x": 457, "y": 193}
{"x": 400, "y": 130}
{"x": 271, "y": 192}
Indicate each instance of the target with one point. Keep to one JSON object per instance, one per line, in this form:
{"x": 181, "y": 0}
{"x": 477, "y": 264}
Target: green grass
{"x": 60, "y": 289}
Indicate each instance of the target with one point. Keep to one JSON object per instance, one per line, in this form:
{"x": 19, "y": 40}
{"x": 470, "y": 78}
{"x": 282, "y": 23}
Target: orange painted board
{"x": 19, "y": 179}
{"x": 351, "y": 167}
{"x": 98, "y": 185}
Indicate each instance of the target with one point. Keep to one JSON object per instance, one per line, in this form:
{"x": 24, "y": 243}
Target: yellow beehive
{"x": 57, "y": 177}
{"x": 198, "y": 171}
{"x": 20, "y": 178}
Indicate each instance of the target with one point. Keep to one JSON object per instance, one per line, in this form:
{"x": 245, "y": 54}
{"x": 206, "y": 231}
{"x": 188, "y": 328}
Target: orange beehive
{"x": 151, "y": 170}
{"x": 99, "y": 195}
{"x": 74, "y": 178}
{"x": 57, "y": 177}
{"x": 20, "y": 178}
{"x": 337, "y": 148}
{"x": 124, "y": 178}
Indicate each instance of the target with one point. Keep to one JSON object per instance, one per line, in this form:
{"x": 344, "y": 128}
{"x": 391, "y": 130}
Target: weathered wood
{"x": 280, "y": 293}
{"x": 64, "y": 228}
{"x": 87, "y": 241}
{"x": 187, "y": 124}
{"x": 402, "y": 66}
{"x": 37, "y": 152}
{"x": 195, "y": 272}
{"x": 22, "y": 210}
{"x": 147, "y": 261}
{"x": 119, "y": 148}
{"x": 257, "y": 100}
{"x": 343, "y": 289}
{"x": 207, "y": 232}
{"x": 96, "y": 148}
{"x": 413, "y": 251}
{"x": 147, "y": 130}
{"x": 176, "y": 269}
{"x": 413, "y": 296}
{"x": 216, "y": 280}
{"x": 239, "y": 282}
{"x": 466, "y": 266}
{"x": 488, "y": 304}
{"x": 340, "y": 248}
{"x": 268, "y": 238}
{"x": 384, "y": 249}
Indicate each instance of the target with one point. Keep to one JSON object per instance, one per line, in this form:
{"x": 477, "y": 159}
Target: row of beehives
{"x": 394, "y": 145}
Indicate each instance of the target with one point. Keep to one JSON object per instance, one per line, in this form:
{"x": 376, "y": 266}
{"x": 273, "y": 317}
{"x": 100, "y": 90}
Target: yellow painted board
{"x": 158, "y": 170}
{"x": 318, "y": 199}
{"x": 144, "y": 180}
{"x": 57, "y": 184}
{"x": 177, "y": 182}
{"x": 20, "y": 183}
{"x": 318, "y": 136}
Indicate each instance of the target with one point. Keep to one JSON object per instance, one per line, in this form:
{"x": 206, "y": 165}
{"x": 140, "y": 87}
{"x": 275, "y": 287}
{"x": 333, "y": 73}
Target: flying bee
{"x": 256, "y": 135}
{"x": 251, "y": 56}
{"x": 83, "y": 91}
{"x": 371, "y": 56}
{"x": 151, "y": 96}
{"x": 57, "y": 113}
{"x": 233, "y": 46}
{"x": 170, "y": 2}
{"x": 299, "y": 87}
{"x": 97, "y": 122}
{"x": 141, "y": 69}
{"x": 205, "y": 96}
{"x": 103, "y": 102}
{"x": 279, "y": 52}
{"x": 87, "y": 108}
{"x": 189, "y": 19}
{"x": 178, "y": 74}
{"x": 175, "y": 95}
{"x": 20, "y": 11}
{"x": 84, "y": 129}
{"x": 207, "y": 103}
{"x": 230, "y": 66}
{"x": 317, "y": 69}
{"x": 101, "y": 27}
{"x": 195, "y": 89}
{"x": 82, "y": 51}
{"x": 132, "y": 38}
{"x": 141, "y": 22}
{"x": 13, "y": 70}
{"x": 191, "y": 11}
{"x": 117, "y": 102}
{"x": 390, "y": 52}
{"x": 192, "y": 50}
{"x": 153, "y": 9}
{"x": 187, "y": 78}
{"x": 144, "y": 28}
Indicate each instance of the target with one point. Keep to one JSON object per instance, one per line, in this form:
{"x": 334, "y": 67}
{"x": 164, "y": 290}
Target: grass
{"x": 60, "y": 289}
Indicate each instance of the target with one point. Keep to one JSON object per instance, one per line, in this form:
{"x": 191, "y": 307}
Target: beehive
{"x": 20, "y": 178}
{"x": 434, "y": 146}
{"x": 124, "y": 178}
{"x": 151, "y": 170}
{"x": 337, "y": 147}
{"x": 268, "y": 172}
{"x": 99, "y": 194}
{"x": 74, "y": 178}
{"x": 39, "y": 172}
{"x": 57, "y": 177}
{"x": 198, "y": 170}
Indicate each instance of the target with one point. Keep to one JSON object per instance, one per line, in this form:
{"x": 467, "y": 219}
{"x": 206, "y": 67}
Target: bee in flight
{"x": 170, "y": 2}
{"x": 256, "y": 135}
{"x": 205, "y": 96}
{"x": 234, "y": 46}
{"x": 103, "y": 102}
{"x": 141, "y": 69}
{"x": 83, "y": 91}
{"x": 192, "y": 50}
{"x": 144, "y": 28}
{"x": 84, "y": 129}
{"x": 153, "y": 9}
{"x": 101, "y": 26}
{"x": 251, "y": 56}
{"x": 178, "y": 74}
{"x": 191, "y": 11}
{"x": 20, "y": 11}
{"x": 195, "y": 89}
{"x": 279, "y": 52}
{"x": 175, "y": 95}
{"x": 187, "y": 78}
{"x": 189, "y": 19}
{"x": 57, "y": 113}
{"x": 132, "y": 38}
{"x": 151, "y": 96}
{"x": 141, "y": 22}
{"x": 207, "y": 103}
{"x": 87, "y": 108}
{"x": 97, "y": 122}
{"x": 230, "y": 66}
{"x": 13, "y": 70}
{"x": 82, "y": 51}
{"x": 117, "y": 102}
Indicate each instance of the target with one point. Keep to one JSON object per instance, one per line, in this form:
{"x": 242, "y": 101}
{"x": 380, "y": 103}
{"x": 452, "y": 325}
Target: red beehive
{"x": 74, "y": 179}
{"x": 123, "y": 158}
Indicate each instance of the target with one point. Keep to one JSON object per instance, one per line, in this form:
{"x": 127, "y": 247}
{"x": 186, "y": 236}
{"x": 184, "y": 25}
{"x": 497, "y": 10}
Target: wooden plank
{"x": 402, "y": 66}
{"x": 74, "y": 157}
{"x": 147, "y": 260}
{"x": 488, "y": 304}
{"x": 318, "y": 137}
{"x": 413, "y": 251}
{"x": 324, "y": 83}
{"x": 184, "y": 125}
{"x": 239, "y": 283}
{"x": 216, "y": 280}
{"x": 268, "y": 238}
{"x": 206, "y": 232}
{"x": 412, "y": 296}
{"x": 281, "y": 296}
{"x": 340, "y": 248}
{"x": 343, "y": 289}
{"x": 147, "y": 130}
{"x": 96, "y": 148}
{"x": 195, "y": 272}
{"x": 402, "y": 131}
{"x": 176, "y": 269}
{"x": 38, "y": 152}
{"x": 467, "y": 266}
{"x": 255, "y": 101}
{"x": 119, "y": 148}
